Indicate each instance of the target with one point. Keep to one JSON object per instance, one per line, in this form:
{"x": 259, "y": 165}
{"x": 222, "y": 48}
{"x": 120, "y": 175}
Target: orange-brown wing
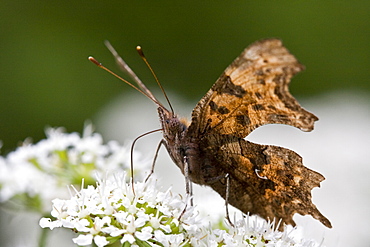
{"x": 251, "y": 92}
{"x": 269, "y": 181}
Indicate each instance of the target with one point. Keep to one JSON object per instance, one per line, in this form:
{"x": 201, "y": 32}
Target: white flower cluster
{"x": 253, "y": 232}
{"x": 112, "y": 212}
{"x": 35, "y": 174}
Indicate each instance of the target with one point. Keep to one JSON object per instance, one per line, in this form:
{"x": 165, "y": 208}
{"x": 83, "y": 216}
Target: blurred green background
{"x": 46, "y": 79}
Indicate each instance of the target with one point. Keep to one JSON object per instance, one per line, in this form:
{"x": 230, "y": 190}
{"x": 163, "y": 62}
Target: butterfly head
{"x": 173, "y": 127}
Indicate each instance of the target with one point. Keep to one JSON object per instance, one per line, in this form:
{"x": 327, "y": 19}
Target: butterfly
{"x": 211, "y": 150}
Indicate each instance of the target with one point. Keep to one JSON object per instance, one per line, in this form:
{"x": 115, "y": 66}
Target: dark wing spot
{"x": 223, "y": 110}
{"x": 279, "y": 79}
{"x": 258, "y": 95}
{"x": 271, "y": 107}
{"x": 284, "y": 177}
{"x": 258, "y": 107}
{"x": 265, "y": 185}
{"x": 228, "y": 87}
{"x": 261, "y": 81}
{"x": 289, "y": 176}
{"x": 243, "y": 120}
{"x": 213, "y": 106}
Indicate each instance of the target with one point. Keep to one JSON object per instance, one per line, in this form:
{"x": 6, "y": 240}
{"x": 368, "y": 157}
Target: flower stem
{"x": 43, "y": 237}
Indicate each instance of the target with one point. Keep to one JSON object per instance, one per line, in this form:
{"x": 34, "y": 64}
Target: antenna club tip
{"x": 93, "y": 60}
{"x": 140, "y": 51}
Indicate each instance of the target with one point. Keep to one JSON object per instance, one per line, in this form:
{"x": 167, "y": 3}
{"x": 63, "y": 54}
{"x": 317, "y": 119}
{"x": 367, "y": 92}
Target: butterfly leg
{"x": 162, "y": 142}
{"x": 226, "y": 190}
{"x": 188, "y": 185}
{"x": 227, "y": 176}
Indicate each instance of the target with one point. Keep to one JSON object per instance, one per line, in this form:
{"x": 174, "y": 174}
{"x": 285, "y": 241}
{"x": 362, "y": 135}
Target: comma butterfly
{"x": 265, "y": 180}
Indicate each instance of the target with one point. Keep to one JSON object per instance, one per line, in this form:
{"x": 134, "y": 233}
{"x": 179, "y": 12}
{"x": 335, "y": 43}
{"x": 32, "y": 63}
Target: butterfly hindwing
{"x": 269, "y": 181}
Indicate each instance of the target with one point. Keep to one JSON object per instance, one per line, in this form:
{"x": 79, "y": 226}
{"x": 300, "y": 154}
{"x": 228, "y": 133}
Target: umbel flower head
{"x": 34, "y": 174}
{"x": 108, "y": 212}
{"x": 112, "y": 214}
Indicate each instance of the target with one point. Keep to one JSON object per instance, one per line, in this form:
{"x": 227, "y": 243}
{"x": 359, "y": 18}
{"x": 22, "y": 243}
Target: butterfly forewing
{"x": 251, "y": 92}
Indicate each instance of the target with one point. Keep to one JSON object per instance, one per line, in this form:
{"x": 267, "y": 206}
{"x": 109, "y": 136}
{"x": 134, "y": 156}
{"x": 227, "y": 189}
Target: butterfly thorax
{"x": 183, "y": 147}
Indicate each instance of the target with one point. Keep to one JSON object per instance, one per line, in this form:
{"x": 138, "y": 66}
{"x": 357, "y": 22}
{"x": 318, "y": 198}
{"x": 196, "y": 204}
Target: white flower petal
{"x": 81, "y": 225}
{"x": 100, "y": 241}
{"x": 128, "y": 238}
{"x": 46, "y": 222}
{"x": 145, "y": 233}
{"x": 83, "y": 239}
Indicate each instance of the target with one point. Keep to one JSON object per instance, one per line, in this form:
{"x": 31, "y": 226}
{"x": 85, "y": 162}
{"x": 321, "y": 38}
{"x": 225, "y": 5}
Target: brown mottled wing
{"x": 265, "y": 180}
{"x": 268, "y": 181}
{"x": 251, "y": 92}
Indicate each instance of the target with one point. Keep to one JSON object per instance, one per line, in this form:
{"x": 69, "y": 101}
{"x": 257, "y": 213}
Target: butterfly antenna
{"x": 125, "y": 68}
{"x": 141, "y": 53}
{"x": 150, "y": 96}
